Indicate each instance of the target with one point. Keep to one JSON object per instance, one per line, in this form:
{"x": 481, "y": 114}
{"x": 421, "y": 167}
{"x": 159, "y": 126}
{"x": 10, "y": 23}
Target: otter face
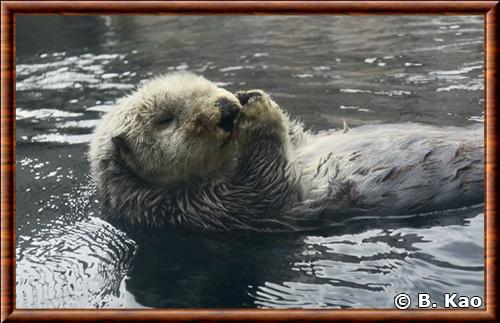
{"x": 171, "y": 129}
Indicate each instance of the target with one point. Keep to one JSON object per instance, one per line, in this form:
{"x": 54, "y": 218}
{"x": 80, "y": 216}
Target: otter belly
{"x": 408, "y": 168}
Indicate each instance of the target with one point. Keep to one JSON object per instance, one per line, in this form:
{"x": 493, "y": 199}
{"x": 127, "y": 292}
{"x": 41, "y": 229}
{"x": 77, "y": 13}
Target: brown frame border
{"x": 489, "y": 9}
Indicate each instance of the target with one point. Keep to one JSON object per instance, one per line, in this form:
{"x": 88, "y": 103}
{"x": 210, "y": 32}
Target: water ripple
{"x": 381, "y": 263}
{"x": 77, "y": 266}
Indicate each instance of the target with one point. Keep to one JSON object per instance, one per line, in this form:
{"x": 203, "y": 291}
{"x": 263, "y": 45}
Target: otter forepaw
{"x": 245, "y": 96}
{"x": 259, "y": 110}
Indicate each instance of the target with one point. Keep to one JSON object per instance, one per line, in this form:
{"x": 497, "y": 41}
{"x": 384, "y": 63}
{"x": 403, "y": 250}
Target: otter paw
{"x": 259, "y": 110}
{"x": 245, "y": 96}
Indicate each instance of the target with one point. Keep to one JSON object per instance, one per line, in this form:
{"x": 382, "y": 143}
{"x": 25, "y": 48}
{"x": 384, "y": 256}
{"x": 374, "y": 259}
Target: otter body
{"x": 395, "y": 168}
{"x": 182, "y": 152}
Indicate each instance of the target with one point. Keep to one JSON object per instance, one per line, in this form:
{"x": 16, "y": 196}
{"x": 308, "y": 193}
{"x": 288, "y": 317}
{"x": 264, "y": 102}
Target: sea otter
{"x": 182, "y": 152}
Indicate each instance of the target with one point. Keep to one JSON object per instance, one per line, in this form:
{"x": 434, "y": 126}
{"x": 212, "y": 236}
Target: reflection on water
{"x": 70, "y": 71}
{"x": 82, "y": 265}
{"x": 364, "y": 268}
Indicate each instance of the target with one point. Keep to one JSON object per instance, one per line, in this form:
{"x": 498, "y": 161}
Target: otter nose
{"x": 228, "y": 113}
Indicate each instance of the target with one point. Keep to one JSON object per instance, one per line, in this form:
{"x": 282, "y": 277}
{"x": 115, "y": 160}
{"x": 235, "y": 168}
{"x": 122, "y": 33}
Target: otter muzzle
{"x": 228, "y": 113}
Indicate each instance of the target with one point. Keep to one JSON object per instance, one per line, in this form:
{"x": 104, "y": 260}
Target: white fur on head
{"x": 167, "y": 129}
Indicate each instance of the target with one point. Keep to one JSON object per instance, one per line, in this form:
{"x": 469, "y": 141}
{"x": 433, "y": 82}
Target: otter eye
{"x": 166, "y": 121}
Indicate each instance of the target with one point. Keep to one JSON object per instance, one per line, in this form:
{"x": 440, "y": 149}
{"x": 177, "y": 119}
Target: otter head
{"x": 173, "y": 128}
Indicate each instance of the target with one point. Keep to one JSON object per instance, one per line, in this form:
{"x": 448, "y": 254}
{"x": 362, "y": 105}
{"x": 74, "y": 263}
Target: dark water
{"x": 367, "y": 70}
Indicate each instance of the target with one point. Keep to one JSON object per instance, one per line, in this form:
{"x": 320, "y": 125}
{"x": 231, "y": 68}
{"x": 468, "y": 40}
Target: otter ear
{"x": 121, "y": 145}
